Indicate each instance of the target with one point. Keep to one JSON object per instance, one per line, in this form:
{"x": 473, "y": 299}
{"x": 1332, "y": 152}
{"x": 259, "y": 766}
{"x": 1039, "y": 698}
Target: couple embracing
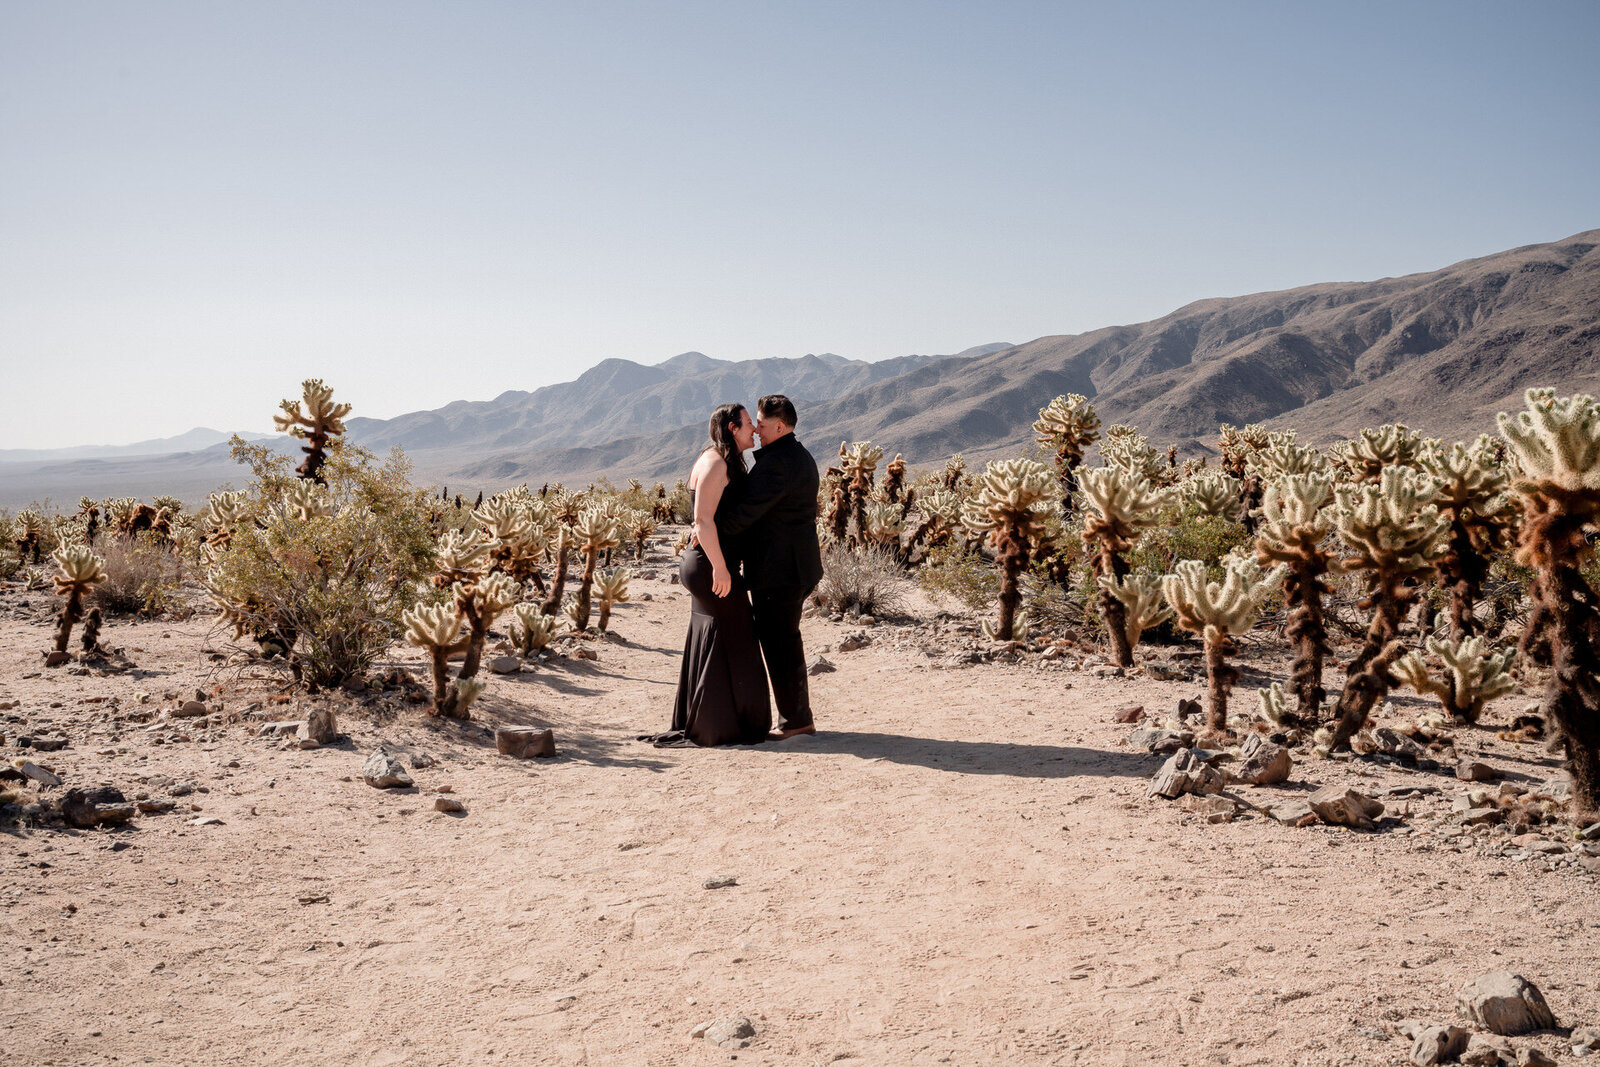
{"x": 750, "y": 565}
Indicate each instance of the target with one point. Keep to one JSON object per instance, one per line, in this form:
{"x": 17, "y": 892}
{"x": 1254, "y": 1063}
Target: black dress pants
{"x": 777, "y": 619}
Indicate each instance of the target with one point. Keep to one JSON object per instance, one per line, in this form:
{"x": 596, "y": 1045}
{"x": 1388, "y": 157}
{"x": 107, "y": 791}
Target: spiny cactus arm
{"x": 1215, "y": 494}
{"x": 1141, "y": 599}
{"x": 308, "y": 500}
{"x": 612, "y": 585}
{"x": 462, "y": 556}
{"x": 432, "y": 626}
{"x": 80, "y": 570}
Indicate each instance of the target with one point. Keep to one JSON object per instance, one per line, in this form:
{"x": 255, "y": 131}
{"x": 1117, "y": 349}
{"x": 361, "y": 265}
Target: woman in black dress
{"x": 722, "y": 685}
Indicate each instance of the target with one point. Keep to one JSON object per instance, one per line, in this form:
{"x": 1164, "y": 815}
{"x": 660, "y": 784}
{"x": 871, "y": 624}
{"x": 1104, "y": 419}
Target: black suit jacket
{"x": 776, "y": 523}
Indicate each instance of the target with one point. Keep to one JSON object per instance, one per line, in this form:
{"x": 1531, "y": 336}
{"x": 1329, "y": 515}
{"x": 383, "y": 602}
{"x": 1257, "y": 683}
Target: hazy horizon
{"x": 422, "y": 203}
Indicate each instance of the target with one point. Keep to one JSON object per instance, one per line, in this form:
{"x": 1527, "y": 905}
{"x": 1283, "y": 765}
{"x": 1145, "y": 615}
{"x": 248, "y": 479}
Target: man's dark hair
{"x": 778, "y": 406}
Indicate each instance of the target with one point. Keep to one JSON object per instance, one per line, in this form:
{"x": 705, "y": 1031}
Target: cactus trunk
{"x": 558, "y": 585}
{"x": 580, "y": 615}
{"x": 1012, "y": 557}
{"x": 1462, "y": 571}
{"x": 71, "y": 615}
{"x": 1220, "y": 680}
{"x": 1109, "y": 563}
{"x": 443, "y": 691}
{"x": 1308, "y": 631}
{"x": 1367, "y": 680}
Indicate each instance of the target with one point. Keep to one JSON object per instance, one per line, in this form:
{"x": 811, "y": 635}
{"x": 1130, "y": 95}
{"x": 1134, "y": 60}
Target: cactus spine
{"x": 1557, "y": 443}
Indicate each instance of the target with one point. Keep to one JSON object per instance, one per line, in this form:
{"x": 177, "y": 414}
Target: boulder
{"x": 1434, "y": 1044}
{"x": 191, "y": 709}
{"x": 77, "y": 809}
{"x": 32, "y": 770}
{"x": 524, "y": 744}
{"x": 1262, "y": 763}
{"x": 1505, "y": 1003}
{"x": 1344, "y": 807}
{"x": 505, "y": 665}
{"x": 1158, "y": 740}
{"x": 383, "y": 771}
{"x": 1486, "y": 1050}
{"x": 1185, "y": 773}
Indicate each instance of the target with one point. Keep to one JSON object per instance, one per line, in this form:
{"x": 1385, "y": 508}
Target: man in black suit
{"x": 777, "y": 529}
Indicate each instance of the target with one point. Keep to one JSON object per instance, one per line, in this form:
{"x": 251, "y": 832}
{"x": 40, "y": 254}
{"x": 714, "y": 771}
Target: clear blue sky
{"x": 202, "y": 203}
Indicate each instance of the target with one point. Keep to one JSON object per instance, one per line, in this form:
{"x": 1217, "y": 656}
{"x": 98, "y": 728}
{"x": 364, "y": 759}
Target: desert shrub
{"x": 954, "y": 571}
{"x": 142, "y": 577}
{"x": 325, "y": 578}
{"x": 1207, "y": 538}
{"x": 870, "y": 581}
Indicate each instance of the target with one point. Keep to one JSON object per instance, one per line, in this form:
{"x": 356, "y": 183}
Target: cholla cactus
{"x": 89, "y": 508}
{"x": 596, "y": 532}
{"x": 1472, "y": 678}
{"x": 1395, "y": 535}
{"x": 460, "y": 558}
{"x": 1070, "y": 425}
{"x": 308, "y": 500}
{"x": 560, "y": 552}
{"x": 518, "y": 528}
{"x": 320, "y": 420}
{"x": 1217, "y": 611}
{"x": 1215, "y": 494}
{"x": 859, "y": 462}
{"x": 1272, "y": 704}
{"x": 936, "y": 513}
{"x": 1282, "y": 454}
{"x": 640, "y": 526}
{"x": 29, "y": 535}
{"x": 437, "y": 628}
{"x": 460, "y": 626}
{"x": 1127, "y": 449}
{"x": 894, "y": 479}
{"x": 1019, "y": 628}
{"x": 1142, "y": 605}
{"x": 1005, "y": 509}
{"x": 955, "y": 472}
{"x": 884, "y": 526}
{"x": 1473, "y": 497}
{"x": 533, "y": 629}
{"x": 1293, "y": 531}
{"x": 80, "y": 571}
{"x": 612, "y": 588}
{"x": 1123, "y": 507}
{"x": 1557, "y": 443}
{"x": 1374, "y": 451}
{"x": 1237, "y": 446}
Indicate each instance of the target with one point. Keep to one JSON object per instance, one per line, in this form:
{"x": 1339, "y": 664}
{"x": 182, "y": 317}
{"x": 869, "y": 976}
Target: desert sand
{"x": 963, "y": 867}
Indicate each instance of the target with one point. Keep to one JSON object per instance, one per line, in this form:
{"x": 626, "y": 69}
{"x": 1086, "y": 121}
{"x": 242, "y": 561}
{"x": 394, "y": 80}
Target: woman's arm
{"x": 712, "y": 480}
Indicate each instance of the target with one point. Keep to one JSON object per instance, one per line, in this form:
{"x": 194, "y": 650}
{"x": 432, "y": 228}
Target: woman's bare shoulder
{"x": 708, "y": 465}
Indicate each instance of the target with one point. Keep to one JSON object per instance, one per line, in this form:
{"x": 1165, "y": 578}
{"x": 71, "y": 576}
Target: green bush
{"x": 1206, "y": 538}
{"x": 327, "y": 589}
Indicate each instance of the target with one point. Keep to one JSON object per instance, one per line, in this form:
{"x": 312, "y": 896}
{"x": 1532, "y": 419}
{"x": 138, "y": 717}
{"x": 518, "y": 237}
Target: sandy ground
{"x": 962, "y": 868}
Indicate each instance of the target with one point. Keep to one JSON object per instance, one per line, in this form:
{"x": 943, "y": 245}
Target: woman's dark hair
{"x": 723, "y": 420}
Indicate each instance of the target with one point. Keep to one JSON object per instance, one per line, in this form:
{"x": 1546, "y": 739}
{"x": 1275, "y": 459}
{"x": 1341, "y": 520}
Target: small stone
{"x": 1150, "y": 739}
{"x": 45, "y": 744}
{"x": 1473, "y": 771}
{"x": 728, "y": 1032}
{"x": 1436, "y": 1044}
{"x": 156, "y": 807}
{"x": 278, "y": 729}
{"x": 1486, "y": 1050}
{"x": 1487, "y": 815}
{"x": 206, "y": 820}
{"x": 319, "y": 727}
{"x": 586, "y": 653}
{"x": 722, "y": 881}
{"x": 449, "y": 804}
{"x": 1162, "y": 671}
{"x": 819, "y": 665}
{"x": 1128, "y": 713}
{"x": 1505, "y": 1003}
{"x": 1262, "y": 763}
{"x": 1585, "y": 1037}
{"x": 383, "y": 771}
{"x": 1107, "y": 670}
{"x": 1344, "y": 807}
{"x": 525, "y": 743}
{"x": 191, "y": 709}
{"x": 110, "y": 814}
{"x": 1532, "y": 1057}
{"x": 77, "y": 809}
{"x": 851, "y": 642}
{"x": 56, "y": 659}
{"x": 422, "y": 761}
{"x": 1291, "y": 812}
{"x": 1215, "y": 809}
{"x": 505, "y": 665}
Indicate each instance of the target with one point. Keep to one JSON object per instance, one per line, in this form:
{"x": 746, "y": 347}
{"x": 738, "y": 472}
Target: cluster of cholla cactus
{"x": 595, "y": 532}
{"x": 1219, "y": 611}
{"x": 1556, "y": 441}
{"x": 1069, "y": 425}
{"x": 533, "y": 630}
{"x": 1214, "y": 495}
{"x": 1293, "y": 531}
{"x": 1394, "y": 535}
{"x": 1371, "y": 452}
{"x": 1006, "y": 510}
{"x": 29, "y": 535}
{"x": 1122, "y": 506}
{"x": 318, "y": 422}
{"x": 79, "y": 570}
{"x": 477, "y": 597}
{"x": 858, "y": 464}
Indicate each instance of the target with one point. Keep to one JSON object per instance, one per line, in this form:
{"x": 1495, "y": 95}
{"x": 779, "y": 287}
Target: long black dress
{"x": 722, "y": 684}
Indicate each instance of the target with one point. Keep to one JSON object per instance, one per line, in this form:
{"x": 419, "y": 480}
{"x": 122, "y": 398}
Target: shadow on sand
{"x": 975, "y": 757}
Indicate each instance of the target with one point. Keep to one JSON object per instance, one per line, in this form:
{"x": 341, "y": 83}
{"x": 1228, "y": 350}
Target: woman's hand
{"x": 721, "y": 581}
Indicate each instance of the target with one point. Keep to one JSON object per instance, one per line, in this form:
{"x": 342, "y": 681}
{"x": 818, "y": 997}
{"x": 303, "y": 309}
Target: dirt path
{"x": 962, "y": 868}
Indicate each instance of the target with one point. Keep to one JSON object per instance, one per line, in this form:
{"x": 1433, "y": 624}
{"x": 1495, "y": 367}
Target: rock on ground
{"x": 1262, "y": 763}
{"x": 1344, "y": 807}
{"x": 1505, "y": 1003}
{"x": 729, "y": 1032}
{"x": 524, "y": 743}
{"x": 1185, "y": 773}
{"x": 383, "y": 771}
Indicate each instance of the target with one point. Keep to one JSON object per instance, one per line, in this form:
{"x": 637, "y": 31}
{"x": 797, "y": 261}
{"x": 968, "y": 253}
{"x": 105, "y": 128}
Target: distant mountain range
{"x": 197, "y": 438}
{"x": 1441, "y": 351}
